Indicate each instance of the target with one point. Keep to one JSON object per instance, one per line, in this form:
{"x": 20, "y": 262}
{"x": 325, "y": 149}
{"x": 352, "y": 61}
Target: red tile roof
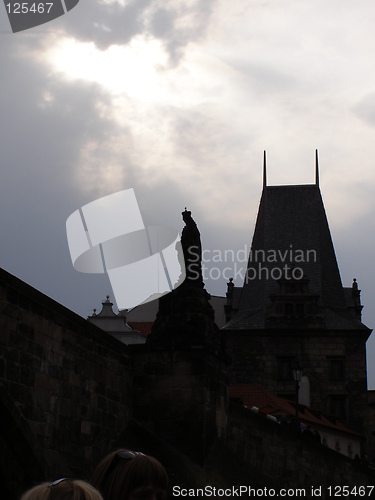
{"x": 142, "y": 326}
{"x": 255, "y": 395}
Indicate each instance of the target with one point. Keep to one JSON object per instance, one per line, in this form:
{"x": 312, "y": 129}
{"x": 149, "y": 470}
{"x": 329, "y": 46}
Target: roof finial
{"x": 316, "y": 168}
{"x": 264, "y": 169}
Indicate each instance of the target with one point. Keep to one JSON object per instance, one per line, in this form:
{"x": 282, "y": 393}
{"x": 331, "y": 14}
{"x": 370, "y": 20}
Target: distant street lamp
{"x": 297, "y": 375}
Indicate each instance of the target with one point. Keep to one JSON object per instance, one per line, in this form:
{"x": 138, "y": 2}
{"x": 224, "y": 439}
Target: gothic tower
{"x": 293, "y": 309}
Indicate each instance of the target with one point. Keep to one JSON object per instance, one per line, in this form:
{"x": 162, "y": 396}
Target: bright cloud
{"x": 288, "y": 76}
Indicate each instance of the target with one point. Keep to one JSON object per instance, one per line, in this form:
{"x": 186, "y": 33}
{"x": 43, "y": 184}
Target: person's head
{"x": 63, "y": 489}
{"x": 130, "y": 476}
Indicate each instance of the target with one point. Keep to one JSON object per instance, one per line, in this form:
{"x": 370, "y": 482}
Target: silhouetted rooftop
{"x": 291, "y": 230}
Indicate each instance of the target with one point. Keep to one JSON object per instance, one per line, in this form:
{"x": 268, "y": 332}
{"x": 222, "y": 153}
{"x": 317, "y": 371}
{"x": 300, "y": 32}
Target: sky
{"x": 178, "y": 99}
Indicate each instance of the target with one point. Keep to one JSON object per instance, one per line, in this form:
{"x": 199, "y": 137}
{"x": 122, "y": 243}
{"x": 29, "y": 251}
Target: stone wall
{"x": 277, "y": 457}
{"x": 254, "y": 358}
{"x": 65, "y": 385}
{"x": 179, "y": 395}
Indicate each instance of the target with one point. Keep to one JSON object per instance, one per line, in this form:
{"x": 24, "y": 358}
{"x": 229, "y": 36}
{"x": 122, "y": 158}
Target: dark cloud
{"x": 180, "y": 25}
{"x": 175, "y": 23}
{"x": 106, "y": 24}
{"x": 45, "y": 123}
{"x": 39, "y": 144}
{"x": 161, "y": 25}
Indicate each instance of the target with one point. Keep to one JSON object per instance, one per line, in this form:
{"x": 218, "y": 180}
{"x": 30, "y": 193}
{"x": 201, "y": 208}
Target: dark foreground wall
{"x": 64, "y": 389}
{"x": 180, "y": 395}
{"x": 68, "y": 392}
{"x": 278, "y": 457}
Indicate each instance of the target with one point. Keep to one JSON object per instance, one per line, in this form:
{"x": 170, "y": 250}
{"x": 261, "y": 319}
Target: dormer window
{"x": 300, "y": 309}
{"x": 289, "y": 309}
{"x": 336, "y": 368}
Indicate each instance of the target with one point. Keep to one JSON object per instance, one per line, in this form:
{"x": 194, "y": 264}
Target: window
{"x": 289, "y": 309}
{"x": 300, "y": 309}
{"x": 337, "y": 406}
{"x": 285, "y": 368}
{"x": 336, "y": 368}
{"x": 294, "y": 309}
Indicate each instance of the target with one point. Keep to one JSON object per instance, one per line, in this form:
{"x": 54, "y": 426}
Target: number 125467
{"x": 25, "y": 8}
{"x": 345, "y": 491}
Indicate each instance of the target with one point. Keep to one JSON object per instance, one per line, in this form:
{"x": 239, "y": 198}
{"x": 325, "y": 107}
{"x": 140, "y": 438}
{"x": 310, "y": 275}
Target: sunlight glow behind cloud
{"x": 216, "y": 93}
{"x": 130, "y": 69}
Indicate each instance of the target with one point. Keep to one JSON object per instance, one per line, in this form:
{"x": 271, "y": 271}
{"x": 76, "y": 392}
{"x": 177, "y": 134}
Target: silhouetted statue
{"x": 192, "y": 250}
{"x": 230, "y": 287}
{"x": 185, "y": 317}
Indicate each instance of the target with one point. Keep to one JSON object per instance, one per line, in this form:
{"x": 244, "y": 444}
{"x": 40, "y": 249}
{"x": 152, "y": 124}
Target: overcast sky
{"x": 178, "y": 99}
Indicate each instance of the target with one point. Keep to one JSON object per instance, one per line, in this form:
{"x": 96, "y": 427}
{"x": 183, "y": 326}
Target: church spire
{"x": 316, "y": 168}
{"x": 264, "y": 170}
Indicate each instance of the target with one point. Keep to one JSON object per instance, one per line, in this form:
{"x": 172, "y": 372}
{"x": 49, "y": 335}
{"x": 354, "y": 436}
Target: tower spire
{"x": 264, "y": 170}
{"x": 316, "y": 168}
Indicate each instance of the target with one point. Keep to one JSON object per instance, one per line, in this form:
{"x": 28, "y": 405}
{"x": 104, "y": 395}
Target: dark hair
{"x": 123, "y": 471}
{"x": 63, "y": 489}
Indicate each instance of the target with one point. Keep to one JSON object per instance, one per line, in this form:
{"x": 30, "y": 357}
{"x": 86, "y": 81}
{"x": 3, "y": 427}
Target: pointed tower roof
{"x": 291, "y": 236}
{"x": 292, "y": 230}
